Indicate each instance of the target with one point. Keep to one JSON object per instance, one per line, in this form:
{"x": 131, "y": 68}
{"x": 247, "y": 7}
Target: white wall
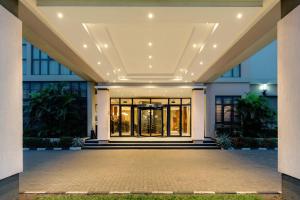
{"x": 220, "y": 89}
{"x": 103, "y": 114}
{"x": 198, "y": 114}
{"x": 11, "y": 161}
{"x": 288, "y": 93}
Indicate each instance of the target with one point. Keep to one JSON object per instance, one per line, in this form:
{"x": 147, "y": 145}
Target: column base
{"x": 9, "y": 188}
{"x": 290, "y": 188}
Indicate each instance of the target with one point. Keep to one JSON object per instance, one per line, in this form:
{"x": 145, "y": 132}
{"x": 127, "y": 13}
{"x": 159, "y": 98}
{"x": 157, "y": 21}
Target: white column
{"x": 11, "y": 131}
{"x": 198, "y": 114}
{"x": 288, "y": 93}
{"x": 103, "y": 115}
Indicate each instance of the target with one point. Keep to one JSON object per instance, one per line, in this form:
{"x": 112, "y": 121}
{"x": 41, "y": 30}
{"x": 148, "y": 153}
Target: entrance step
{"x": 206, "y": 144}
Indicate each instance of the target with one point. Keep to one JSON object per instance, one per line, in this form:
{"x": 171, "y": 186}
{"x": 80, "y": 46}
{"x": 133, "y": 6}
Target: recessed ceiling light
{"x": 115, "y": 71}
{"x": 150, "y": 15}
{"x": 105, "y": 46}
{"x": 150, "y": 44}
{"x": 239, "y": 16}
{"x": 201, "y": 63}
{"x": 119, "y": 70}
{"x": 215, "y": 46}
{"x": 85, "y": 46}
{"x": 192, "y": 74}
{"x": 150, "y": 66}
{"x": 107, "y": 74}
{"x": 181, "y": 70}
{"x": 60, "y": 15}
{"x": 150, "y": 56}
{"x": 194, "y": 46}
{"x": 98, "y": 63}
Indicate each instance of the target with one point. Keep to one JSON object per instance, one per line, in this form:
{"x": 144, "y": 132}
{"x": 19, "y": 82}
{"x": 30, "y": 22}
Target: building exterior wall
{"x": 220, "y": 89}
{"x": 40, "y": 71}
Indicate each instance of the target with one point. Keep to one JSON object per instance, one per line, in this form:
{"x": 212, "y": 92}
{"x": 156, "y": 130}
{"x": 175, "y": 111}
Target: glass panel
{"x": 114, "y": 101}
{"x": 26, "y": 90}
{"x": 165, "y": 118}
{"x": 44, "y": 67}
{"x": 126, "y": 101}
{"x": 136, "y": 121}
{"x": 227, "y": 113}
{"x": 218, "y": 113}
{"x": 186, "y": 101}
{"x": 218, "y": 100}
{"x": 160, "y": 101}
{"x": 126, "y": 121}
{"x": 174, "y": 120}
{"x": 83, "y": 89}
{"x": 64, "y": 70}
{"x": 145, "y": 122}
{"x": 54, "y": 67}
{"x": 236, "y": 71}
{"x": 186, "y": 110}
{"x": 24, "y": 67}
{"x": 44, "y": 55}
{"x": 24, "y": 52}
{"x": 36, "y": 53}
{"x": 227, "y": 100}
{"x": 174, "y": 101}
{"x": 35, "y": 87}
{"x": 156, "y": 122}
{"x": 114, "y": 120}
{"x": 141, "y": 101}
{"x": 36, "y": 68}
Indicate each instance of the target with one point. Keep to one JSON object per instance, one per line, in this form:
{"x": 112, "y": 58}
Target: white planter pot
{"x": 26, "y": 149}
{"x": 41, "y": 149}
{"x": 75, "y": 148}
{"x": 57, "y": 148}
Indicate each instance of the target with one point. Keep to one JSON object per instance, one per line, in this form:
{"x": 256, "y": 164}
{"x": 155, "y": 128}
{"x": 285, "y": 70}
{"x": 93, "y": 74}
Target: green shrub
{"x": 237, "y": 143}
{"x": 224, "y": 141}
{"x": 34, "y": 142}
{"x": 269, "y": 143}
{"x": 66, "y": 142}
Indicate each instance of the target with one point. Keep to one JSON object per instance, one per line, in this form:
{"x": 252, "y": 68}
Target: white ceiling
{"x": 178, "y": 35}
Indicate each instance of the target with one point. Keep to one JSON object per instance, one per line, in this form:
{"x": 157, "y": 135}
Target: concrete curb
{"x": 53, "y": 149}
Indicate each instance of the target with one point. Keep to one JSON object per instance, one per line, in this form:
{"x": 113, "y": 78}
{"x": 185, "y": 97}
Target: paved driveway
{"x": 150, "y": 170}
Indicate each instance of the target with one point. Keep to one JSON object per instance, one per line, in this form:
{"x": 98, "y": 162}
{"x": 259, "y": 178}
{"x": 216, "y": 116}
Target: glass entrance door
{"x": 151, "y": 122}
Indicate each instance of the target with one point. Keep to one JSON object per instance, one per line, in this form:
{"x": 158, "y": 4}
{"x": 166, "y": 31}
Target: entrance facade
{"x": 150, "y": 117}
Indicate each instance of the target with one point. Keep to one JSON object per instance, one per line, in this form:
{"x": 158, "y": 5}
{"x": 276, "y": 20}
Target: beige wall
{"x": 103, "y": 114}
{"x": 288, "y": 93}
{"x": 220, "y": 89}
{"x": 11, "y": 155}
{"x": 198, "y": 114}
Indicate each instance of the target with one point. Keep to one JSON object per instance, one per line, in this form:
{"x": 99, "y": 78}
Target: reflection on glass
{"x": 174, "y": 101}
{"x": 227, "y": 113}
{"x": 159, "y": 101}
{"x": 186, "y": 121}
{"x": 174, "y": 120}
{"x": 145, "y": 122}
{"x": 126, "y": 121}
{"x": 156, "y": 122}
{"x": 136, "y": 121}
{"x": 126, "y": 101}
{"x": 141, "y": 101}
{"x": 114, "y": 120}
{"x": 165, "y": 120}
{"x": 114, "y": 101}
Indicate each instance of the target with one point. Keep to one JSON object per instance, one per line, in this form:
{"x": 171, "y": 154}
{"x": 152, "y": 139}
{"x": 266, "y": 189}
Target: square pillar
{"x": 288, "y": 103}
{"x": 91, "y": 112}
{"x": 103, "y": 115}
{"x": 198, "y": 114}
{"x": 11, "y": 131}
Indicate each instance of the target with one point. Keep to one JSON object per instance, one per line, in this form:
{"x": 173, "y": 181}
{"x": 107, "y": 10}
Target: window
{"x": 226, "y": 115}
{"x": 233, "y": 73}
{"x": 42, "y": 64}
{"x": 24, "y": 58}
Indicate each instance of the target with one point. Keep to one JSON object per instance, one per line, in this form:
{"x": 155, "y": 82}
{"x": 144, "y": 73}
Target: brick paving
{"x": 150, "y": 170}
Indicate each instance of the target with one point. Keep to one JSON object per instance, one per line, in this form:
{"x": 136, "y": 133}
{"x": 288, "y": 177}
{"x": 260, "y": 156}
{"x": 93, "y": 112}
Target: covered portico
{"x": 115, "y": 42}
